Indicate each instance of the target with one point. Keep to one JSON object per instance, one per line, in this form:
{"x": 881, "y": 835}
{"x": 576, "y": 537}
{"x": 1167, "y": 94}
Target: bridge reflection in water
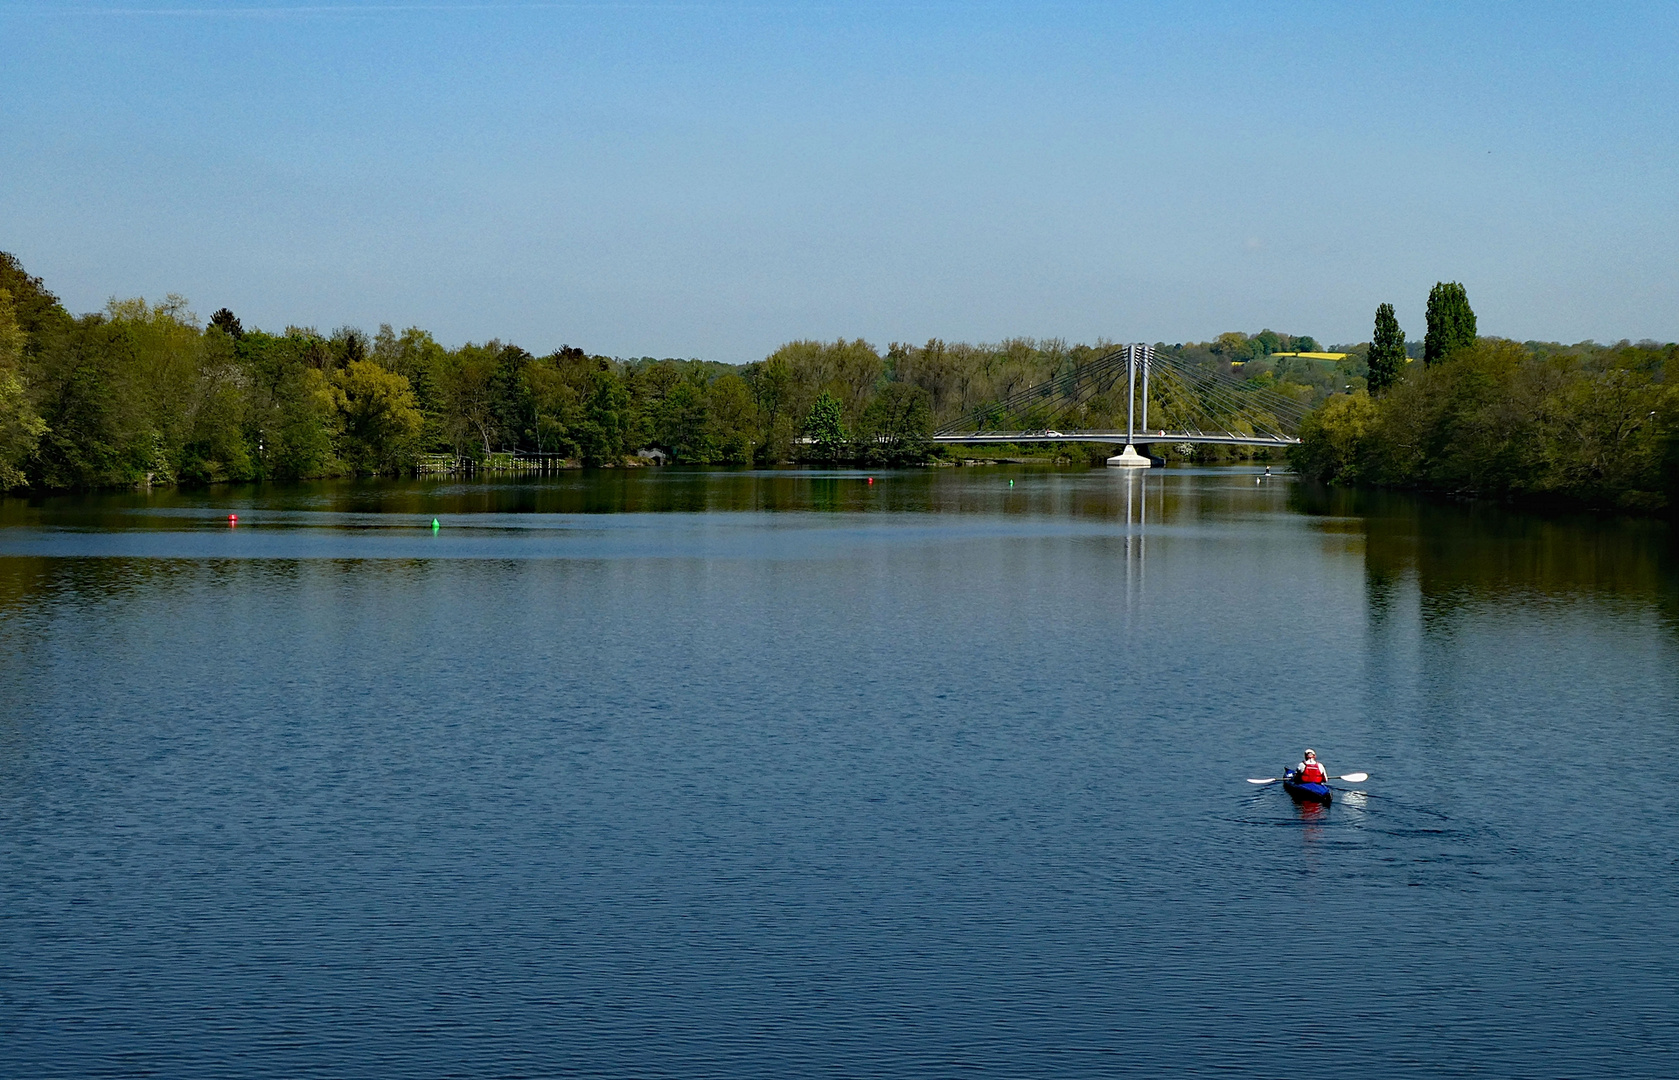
{"x": 1136, "y": 496}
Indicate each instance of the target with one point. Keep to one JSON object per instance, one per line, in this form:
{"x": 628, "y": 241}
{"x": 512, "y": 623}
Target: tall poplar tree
{"x": 1451, "y": 322}
{"x": 1387, "y": 350}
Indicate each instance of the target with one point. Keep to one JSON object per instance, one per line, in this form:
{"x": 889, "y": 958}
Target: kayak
{"x": 1306, "y": 791}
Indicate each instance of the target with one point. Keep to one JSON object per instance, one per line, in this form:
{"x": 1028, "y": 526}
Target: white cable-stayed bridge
{"x": 1190, "y": 404}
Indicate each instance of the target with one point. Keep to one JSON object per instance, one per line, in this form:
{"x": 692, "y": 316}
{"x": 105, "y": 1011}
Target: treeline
{"x": 1584, "y": 425}
{"x": 146, "y": 393}
{"x": 1270, "y": 359}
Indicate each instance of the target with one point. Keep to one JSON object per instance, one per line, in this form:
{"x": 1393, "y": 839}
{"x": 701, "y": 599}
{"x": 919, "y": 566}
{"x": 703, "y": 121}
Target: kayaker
{"x": 1309, "y": 771}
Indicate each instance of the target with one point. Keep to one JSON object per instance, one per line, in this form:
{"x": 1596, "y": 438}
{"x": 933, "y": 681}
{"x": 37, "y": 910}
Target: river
{"x": 766, "y": 774}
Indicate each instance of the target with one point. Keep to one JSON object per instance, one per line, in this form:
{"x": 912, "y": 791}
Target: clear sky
{"x": 714, "y": 178}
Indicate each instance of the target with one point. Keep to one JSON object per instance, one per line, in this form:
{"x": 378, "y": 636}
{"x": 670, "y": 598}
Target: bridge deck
{"x": 1118, "y": 438}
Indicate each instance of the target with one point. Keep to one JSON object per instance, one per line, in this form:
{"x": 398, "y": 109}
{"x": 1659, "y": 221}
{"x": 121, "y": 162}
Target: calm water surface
{"x": 767, "y": 775}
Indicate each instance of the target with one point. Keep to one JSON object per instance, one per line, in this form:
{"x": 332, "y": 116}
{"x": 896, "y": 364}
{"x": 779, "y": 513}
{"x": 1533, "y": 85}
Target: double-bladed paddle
{"x": 1351, "y": 778}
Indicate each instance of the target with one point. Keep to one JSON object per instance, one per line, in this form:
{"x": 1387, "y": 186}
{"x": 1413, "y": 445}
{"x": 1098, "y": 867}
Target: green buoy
{"x": 434, "y": 525}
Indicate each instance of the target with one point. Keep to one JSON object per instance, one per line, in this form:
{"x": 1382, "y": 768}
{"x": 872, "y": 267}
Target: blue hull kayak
{"x": 1303, "y": 791}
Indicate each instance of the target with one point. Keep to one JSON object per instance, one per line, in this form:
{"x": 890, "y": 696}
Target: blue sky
{"x": 712, "y": 179}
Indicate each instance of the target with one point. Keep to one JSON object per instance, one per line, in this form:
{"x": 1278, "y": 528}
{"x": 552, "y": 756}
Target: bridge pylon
{"x": 1136, "y": 356}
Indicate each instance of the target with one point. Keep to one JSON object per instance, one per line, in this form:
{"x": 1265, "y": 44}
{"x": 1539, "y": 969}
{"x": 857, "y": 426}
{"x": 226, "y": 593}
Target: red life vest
{"x": 1312, "y": 773}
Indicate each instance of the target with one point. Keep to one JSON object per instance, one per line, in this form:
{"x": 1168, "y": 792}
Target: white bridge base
{"x": 1129, "y": 459}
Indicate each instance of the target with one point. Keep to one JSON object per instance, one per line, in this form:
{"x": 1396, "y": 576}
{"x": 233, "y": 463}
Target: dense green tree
{"x": 1334, "y": 438}
{"x": 414, "y": 355}
{"x": 933, "y": 368}
{"x": 735, "y": 418}
{"x": 556, "y": 407}
{"x": 772, "y": 392}
{"x": 228, "y": 323}
{"x": 80, "y": 381}
{"x": 20, "y": 426}
{"x": 1386, "y": 358}
{"x": 896, "y": 427}
{"x": 120, "y": 393}
{"x": 170, "y": 373}
{"x": 469, "y": 397}
{"x": 609, "y": 423}
{"x": 1451, "y": 322}
{"x": 348, "y": 345}
{"x": 289, "y": 406}
{"x": 377, "y": 416}
{"x": 515, "y": 414}
{"x": 215, "y": 422}
{"x": 296, "y": 439}
{"x": 857, "y": 371}
{"x": 658, "y": 386}
{"x": 1234, "y": 346}
{"x": 692, "y": 435}
{"x": 825, "y": 427}
{"x": 36, "y": 310}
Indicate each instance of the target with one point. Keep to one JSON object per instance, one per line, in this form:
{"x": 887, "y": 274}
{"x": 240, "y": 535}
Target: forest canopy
{"x": 1585, "y": 425}
{"x": 147, "y": 392}
{"x": 1579, "y": 425}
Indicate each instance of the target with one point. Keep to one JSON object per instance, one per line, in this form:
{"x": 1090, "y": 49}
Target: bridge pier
{"x": 1129, "y": 459}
